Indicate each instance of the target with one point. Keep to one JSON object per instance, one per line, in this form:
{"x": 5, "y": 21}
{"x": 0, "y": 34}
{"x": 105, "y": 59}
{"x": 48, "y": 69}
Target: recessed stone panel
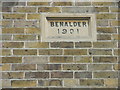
{"x": 68, "y": 27}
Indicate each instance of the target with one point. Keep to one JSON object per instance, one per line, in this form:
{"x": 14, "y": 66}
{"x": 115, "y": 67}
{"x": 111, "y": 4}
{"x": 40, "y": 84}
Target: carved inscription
{"x": 69, "y": 28}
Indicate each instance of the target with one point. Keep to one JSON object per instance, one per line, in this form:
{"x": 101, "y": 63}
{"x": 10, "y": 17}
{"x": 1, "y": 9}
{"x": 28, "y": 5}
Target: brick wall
{"x": 29, "y": 63}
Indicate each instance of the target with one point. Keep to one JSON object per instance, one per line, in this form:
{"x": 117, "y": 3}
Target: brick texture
{"x": 28, "y": 63}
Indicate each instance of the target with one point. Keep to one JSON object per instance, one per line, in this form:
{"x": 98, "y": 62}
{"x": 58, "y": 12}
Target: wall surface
{"x": 29, "y": 63}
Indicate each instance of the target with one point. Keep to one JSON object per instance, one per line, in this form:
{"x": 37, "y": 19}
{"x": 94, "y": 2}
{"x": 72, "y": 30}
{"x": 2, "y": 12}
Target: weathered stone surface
{"x": 91, "y": 82}
{"x": 105, "y": 59}
{"x": 36, "y": 45}
{"x": 100, "y": 52}
{"x": 110, "y": 74}
{"x": 104, "y": 44}
{"x": 83, "y": 75}
{"x": 71, "y": 82}
{"x": 24, "y": 9}
{"x": 48, "y": 67}
{"x": 82, "y": 59}
{"x": 62, "y": 45}
{"x": 100, "y": 67}
{"x": 36, "y": 75}
{"x": 83, "y": 44}
{"x": 6, "y": 67}
{"x": 61, "y": 75}
{"x": 111, "y": 82}
{"x": 49, "y": 9}
{"x": 12, "y": 75}
{"x": 74, "y": 67}
{"x": 75, "y": 51}
{"x": 50, "y": 52}
{"x": 12, "y": 44}
{"x": 36, "y": 60}
{"x": 11, "y": 59}
{"x": 25, "y": 52}
{"x": 19, "y": 67}
{"x": 77, "y": 9}
{"x": 23, "y": 83}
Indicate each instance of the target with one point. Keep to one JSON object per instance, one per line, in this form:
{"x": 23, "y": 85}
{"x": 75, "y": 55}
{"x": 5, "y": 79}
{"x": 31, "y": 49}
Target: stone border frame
{"x": 92, "y": 22}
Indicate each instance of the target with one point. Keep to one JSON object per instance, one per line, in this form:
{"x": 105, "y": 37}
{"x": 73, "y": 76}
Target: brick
{"x": 55, "y": 83}
{"x": 12, "y": 75}
{"x": 103, "y": 37}
{"x": 13, "y": 3}
{"x": 83, "y": 75}
{"x": 11, "y": 59}
{"x": 49, "y": 9}
{"x": 101, "y": 9}
{"x": 114, "y": 9}
{"x": 114, "y": 23}
{"x": 37, "y": 75}
{"x": 32, "y": 31}
{"x": 6, "y": 83}
{"x": 100, "y": 52}
{"x": 110, "y": 74}
{"x": 102, "y": 23}
{"x": 83, "y": 44}
{"x": 6, "y": 37}
{"x": 82, "y": 59}
{"x": 106, "y": 30}
{"x": 62, "y": 4}
{"x": 116, "y": 51}
{"x": 12, "y": 44}
{"x": 103, "y": 3}
{"x": 25, "y": 24}
{"x": 19, "y": 67}
{"x": 105, "y": 59}
{"x": 106, "y": 16}
{"x": 82, "y": 3}
{"x": 116, "y": 36}
{"x": 23, "y": 83}
{"x": 48, "y": 67}
{"x": 74, "y": 67}
{"x": 36, "y": 60}
{"x": 61, "y": 75}
{"x": 116, "y": 66}
{"x": 24, "y": 9}
{"x": 77, "y": 9}
{"x": 33, "y": 16}
{"x": 38, "y": 3}
{"x": 91, "y": 82}
{"x": 111, "y": 82}
{"x": 6, "y": 67}
{"x": 61, "y": 44}
{"x": 50, "y": 52}
{"x": 12, "y": 30}
{"x": 24, "y": 37}
{"x": 100, "y": 67}
{"x": 43, "y": 82}
{"x": 6, "y": 52}
{"x": 13, "y": 16}
{"x": 71, "y": 82}
{"x": 25, "y": 52}
{"x": 61, "y": 59}
{"x": 105, "y": 45}
{"x": 6, "y": 9}
{"x": 37, "y": 45}
{"x": 7, "y": 23}
{"x": 75, "y": 52}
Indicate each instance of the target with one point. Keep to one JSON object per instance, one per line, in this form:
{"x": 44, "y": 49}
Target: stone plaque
{"x": 68, "y": 27}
